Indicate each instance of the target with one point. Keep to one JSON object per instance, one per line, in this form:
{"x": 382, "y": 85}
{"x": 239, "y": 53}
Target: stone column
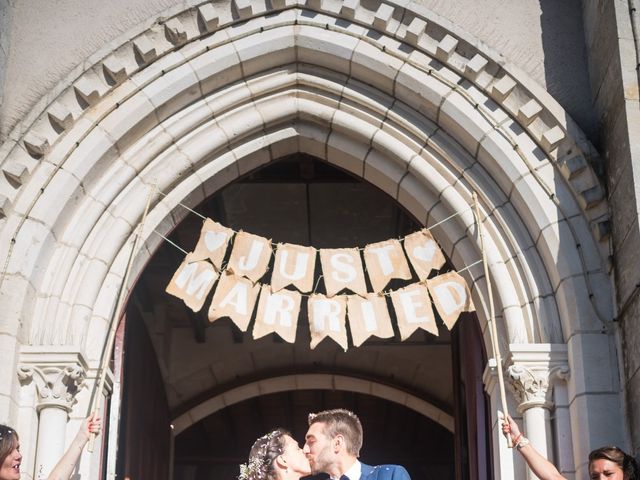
{"x": 57, "y": 376}
{"x": 531, "y": 374}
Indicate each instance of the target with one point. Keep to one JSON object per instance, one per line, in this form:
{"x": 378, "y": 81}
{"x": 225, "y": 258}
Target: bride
{"x": 275, "y": 456}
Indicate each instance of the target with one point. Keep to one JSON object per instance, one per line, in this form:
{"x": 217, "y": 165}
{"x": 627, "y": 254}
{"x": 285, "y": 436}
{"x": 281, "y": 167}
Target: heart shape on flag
{"x": 214, "y": 240}
{"x": 425, "y": 252}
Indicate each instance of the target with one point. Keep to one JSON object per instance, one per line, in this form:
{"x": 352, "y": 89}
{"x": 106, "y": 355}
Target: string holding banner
{"x": 238, "y": 289}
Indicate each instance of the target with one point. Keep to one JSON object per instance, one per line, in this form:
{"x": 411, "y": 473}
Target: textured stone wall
{"x": 614, "y": 83}
{"x": 51, "y": 40}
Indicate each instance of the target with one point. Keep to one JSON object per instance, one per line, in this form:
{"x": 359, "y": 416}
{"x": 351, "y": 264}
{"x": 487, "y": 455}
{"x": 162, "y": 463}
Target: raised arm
{"x": 539, "y": 465}
{"x": 64, "y": 468}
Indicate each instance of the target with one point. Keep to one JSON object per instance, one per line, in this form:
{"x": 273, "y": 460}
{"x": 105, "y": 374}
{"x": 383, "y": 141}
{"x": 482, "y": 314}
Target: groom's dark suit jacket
{"x": 384, "y": 472}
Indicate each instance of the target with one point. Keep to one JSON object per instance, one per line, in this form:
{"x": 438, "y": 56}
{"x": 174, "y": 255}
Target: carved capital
{"x": 533, "y": 371}
{"x": 531, "y": 387}
{"x": 56, "y": 375}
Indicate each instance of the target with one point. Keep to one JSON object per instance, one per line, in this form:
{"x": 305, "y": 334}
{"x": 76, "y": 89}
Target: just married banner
{"x": 347, "y": 302}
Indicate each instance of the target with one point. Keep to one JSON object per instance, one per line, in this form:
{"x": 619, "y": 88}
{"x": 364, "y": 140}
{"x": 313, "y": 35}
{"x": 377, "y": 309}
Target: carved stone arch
{"x": 384, "y": 90}
{"x": 310, "y": 382}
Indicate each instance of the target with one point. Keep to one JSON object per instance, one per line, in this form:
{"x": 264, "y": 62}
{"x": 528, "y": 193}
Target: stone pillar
{"x": 57, "y": 376}
{"x": 531, "y": 374}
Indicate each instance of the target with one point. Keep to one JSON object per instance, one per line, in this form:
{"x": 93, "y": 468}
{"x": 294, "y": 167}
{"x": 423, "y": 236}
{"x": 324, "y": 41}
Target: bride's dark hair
{"x": 263, "y": 453}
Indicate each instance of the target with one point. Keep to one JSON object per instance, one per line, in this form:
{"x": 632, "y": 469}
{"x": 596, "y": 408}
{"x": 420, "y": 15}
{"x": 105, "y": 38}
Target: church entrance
{"x": 421, "y": 400}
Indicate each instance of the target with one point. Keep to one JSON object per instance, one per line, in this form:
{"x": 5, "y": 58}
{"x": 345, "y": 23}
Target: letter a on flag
{"x": 192, "y": 282}
{"x": 327, "y": 318}
{"x": 235, "y": 297}
{"x": 277, "y": 313}
{"x": 451, "y": 297}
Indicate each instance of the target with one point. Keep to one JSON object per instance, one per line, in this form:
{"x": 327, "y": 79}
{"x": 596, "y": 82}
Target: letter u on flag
{"x": 294, "y": 265}
{"x": 250, "y": 256}
{"x": 327, "y": 318}
{"x": 451, "y": 297}
{"x": 213, "y": 242}
{"x": 424, "y": 253}
{"x": 413, "y": 310}
{"x": 277, "y": 313}
{"x": 368, "y": 316}
{"x": 235, "y": 297}
{"x": 342, "y": 268}
{"x": 385, "y": 260}
{"x": 192, "y": 282}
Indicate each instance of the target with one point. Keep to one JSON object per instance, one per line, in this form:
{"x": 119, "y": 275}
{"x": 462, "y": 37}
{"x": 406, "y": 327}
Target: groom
{"x": 333, "y": 444}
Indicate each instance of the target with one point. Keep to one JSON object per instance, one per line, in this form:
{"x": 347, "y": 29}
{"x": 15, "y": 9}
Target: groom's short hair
{"x": 341, "y": 422}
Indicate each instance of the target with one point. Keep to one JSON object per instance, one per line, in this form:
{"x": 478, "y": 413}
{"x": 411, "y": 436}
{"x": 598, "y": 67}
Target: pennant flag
{"x": 385, "y": 260}
{"x": 192, "y": 282}
{"x": 277, "y": 313}
{"x": 294, "y": 265}
{"x": 368, "y": 316}
{"x": 342, "y": 268}
{"x": 413, "y": 310}
{"x": 235, "y": 298}
{"x": 250, "y": 256}
{"x": 327, "y": 318}
{"x": 451, "y": 297}
{"x": 423, "y": 252}
{"x": 213, "y": 242}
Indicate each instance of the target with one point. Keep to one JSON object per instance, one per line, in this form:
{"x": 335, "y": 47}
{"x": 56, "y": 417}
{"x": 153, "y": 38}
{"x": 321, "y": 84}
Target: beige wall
{"x": 48, "y": 40}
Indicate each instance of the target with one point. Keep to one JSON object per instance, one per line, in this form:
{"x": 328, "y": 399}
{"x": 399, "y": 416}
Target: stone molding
{"x": 58, "y": 375}
{"x": 410, "y": 23}
{"x": 532, "y": 372}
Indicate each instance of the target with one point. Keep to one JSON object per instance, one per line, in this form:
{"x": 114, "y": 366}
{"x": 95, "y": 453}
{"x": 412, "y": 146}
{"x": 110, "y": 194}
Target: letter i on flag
{"x": 277, "y": 313}
{"x": 368, "y": 316}
{"x": 192, "y": 282}
{"x": 327, "y": 318}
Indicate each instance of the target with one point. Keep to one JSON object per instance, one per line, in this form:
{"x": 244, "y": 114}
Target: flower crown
{"x": 257, "y": 468}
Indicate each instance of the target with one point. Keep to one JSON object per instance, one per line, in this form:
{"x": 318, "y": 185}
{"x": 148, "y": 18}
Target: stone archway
{"x": 391, "y": 93}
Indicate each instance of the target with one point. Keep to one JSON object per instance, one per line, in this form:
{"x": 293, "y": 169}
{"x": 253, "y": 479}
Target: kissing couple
{"x": 332, "y": 446}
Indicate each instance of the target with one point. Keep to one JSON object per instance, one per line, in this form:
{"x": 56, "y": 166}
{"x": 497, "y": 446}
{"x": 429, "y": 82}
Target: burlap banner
{"x": 192, "y": 283}
{"x": 327, "y": 318}
{"x": 368, "y": 316}
{"x": 451, "y": 297}
{"x": 294, "y": 265}
{"x": 342, "y": 268}
{"x": 277, "y": 313}
{"x": 212, "y": 244}
{"x": 424, "y": 253}
{"x": 413, "y": 310}
{"x": 250, "y": 256}
{"x": 235, "y": 297}
{"x": 237, "y": 291}
{"x": 385, "y": 260}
